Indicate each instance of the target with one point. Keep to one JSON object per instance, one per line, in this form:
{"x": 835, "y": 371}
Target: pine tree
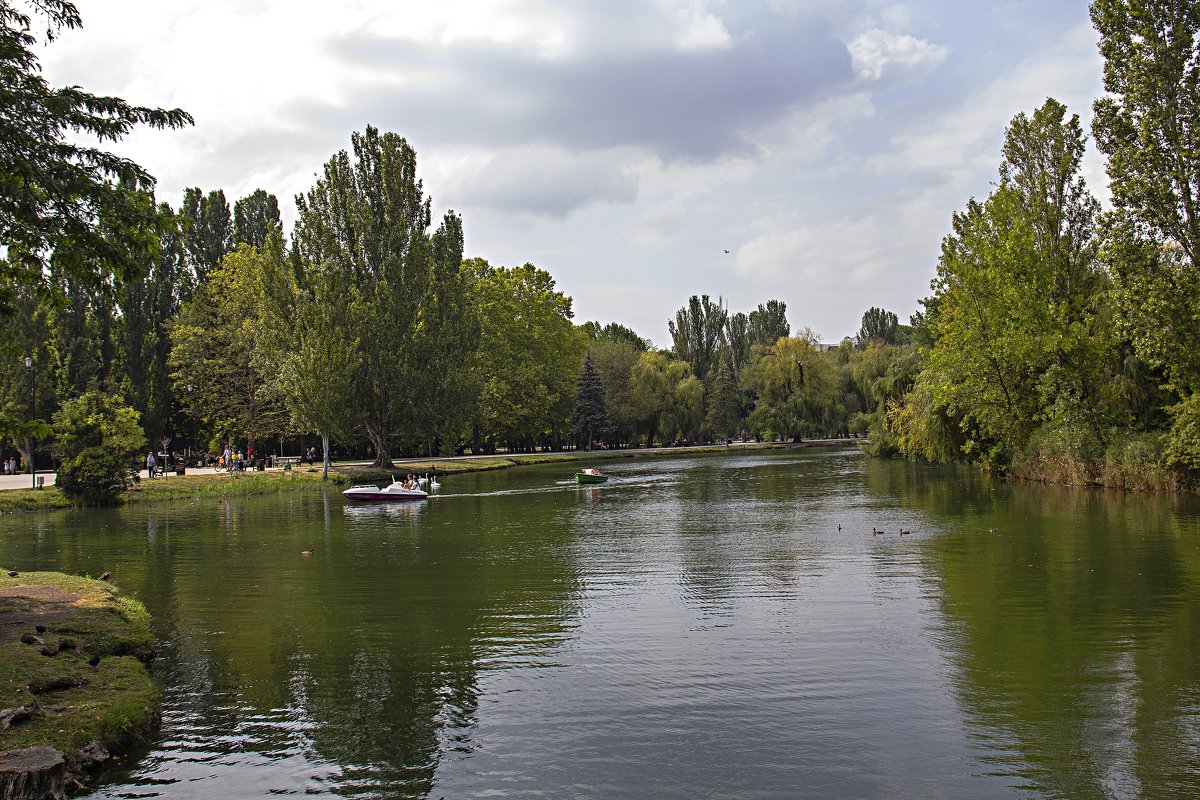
{"x": 590, "y": 418}
{"x": 724, "y": 404}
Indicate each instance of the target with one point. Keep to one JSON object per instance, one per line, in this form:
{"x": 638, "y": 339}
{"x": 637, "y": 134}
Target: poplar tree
{"x": 1148, "y": 124}
{"x": 367, "y": 219}
{"x": 208, "y": 231}
{"x": 255, "y": 217}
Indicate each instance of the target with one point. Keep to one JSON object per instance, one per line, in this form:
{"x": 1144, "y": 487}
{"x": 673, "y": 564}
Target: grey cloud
{"x": 693, "y": 105}
{"x": 547, "y": 184}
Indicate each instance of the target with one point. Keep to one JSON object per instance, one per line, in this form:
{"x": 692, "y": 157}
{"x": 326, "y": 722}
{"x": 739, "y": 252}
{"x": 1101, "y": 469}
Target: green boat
{"x": 591, "y": 475}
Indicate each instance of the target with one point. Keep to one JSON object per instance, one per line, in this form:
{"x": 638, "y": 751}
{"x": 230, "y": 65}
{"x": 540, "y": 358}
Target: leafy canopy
{"x": 60, "y": 199}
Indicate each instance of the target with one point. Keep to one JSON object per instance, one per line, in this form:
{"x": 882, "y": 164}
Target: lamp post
{"x": 32, "y": 414}
{"x": 191, "y": 411}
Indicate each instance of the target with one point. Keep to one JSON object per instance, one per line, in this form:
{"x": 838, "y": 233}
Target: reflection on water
{"x": 695, "y": 627}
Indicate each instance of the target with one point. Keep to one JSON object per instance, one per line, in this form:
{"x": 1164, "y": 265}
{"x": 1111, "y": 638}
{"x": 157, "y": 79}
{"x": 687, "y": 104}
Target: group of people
{"x": 411, "y": 482}
{"x": 12, "y": 466}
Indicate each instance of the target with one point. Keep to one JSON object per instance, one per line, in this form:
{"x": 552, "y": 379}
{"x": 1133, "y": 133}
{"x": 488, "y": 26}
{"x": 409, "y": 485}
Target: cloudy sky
{"x": 622, "y": 145}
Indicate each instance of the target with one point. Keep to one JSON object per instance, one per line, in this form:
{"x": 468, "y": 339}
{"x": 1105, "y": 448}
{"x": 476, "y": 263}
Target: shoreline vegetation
{"x": 73, "y": 679}
{"x": 204, "y": 482}
{"x": 1058, "y": 343}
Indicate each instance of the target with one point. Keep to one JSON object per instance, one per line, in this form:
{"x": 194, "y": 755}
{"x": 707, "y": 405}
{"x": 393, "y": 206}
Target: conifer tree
{"x": 590, "y": 418}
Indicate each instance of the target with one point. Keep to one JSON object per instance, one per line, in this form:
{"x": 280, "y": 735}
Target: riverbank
{"x": 205, "y": 482}
{"x": 73, "y": 677}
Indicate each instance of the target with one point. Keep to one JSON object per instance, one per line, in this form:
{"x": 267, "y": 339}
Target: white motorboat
{"x": 389, "y": 494}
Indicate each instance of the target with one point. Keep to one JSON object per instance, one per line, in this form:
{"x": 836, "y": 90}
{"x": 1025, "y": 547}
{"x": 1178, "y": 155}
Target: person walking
{"x": 150, "y": 463}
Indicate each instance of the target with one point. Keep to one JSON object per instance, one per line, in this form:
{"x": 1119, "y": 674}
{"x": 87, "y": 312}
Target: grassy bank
{"x": 115, "y": 702}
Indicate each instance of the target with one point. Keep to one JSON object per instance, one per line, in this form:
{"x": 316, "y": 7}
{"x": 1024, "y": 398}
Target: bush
{"x": 1183, "y": 443}
{"x": 98, "y": 442}
{"x": 1064, "y": 453}
{"x": 1136, "y": 461}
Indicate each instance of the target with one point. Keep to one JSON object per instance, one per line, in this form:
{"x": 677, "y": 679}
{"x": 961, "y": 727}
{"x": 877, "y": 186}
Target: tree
{"x": 1015, "y": 296}
{"x": 738, "y": 344}
{"x": 590, "y": 417}
{"x": 697, "y": 331}
{"x": 667, "y": 396}
{"x": 255, "y": 218}
{"x": 615, "y": 332}
{"x": 724, "y": 403}
{"x": 1148, "y": 123}
{"x": 797, "y": 385}
{"x": 208, "y": 231}
{"x": 148, "y": 305}
{"x": 878, "y": 326}
{"x": 63, "y": 199}
{"x": 27, "y": 394}
{"x": 215, "y": 362}
{"x": 768, "y": 323}
{"x": 442, "y": 403}
{"x": 368, "y": 219}
{"x": 317, "y": 370}
{"x": 98, "y": 442}
{"x": 528, "y": 356}
{"x": 615, "y": 360}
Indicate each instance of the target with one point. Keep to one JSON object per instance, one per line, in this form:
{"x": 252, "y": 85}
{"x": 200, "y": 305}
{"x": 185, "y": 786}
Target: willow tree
{"x": 367, "y": 219}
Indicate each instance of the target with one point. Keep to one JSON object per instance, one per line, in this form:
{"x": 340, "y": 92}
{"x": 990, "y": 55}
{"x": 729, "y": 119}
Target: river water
{"x": 696, "y": 628}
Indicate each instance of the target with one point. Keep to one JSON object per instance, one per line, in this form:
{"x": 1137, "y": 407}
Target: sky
{"x": 811, "y": 151}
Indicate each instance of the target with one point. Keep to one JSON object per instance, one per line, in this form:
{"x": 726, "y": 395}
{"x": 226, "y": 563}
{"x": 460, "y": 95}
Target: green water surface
{"x": 698, "y": 627}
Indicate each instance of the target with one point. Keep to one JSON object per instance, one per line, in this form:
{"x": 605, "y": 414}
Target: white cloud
{"x": 876, "y": 52}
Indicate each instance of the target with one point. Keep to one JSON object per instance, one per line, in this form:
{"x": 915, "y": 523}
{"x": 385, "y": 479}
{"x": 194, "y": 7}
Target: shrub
{"x": 99, "y": 441}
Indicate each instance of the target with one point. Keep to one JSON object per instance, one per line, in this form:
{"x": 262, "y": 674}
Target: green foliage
{"x": 368, "y": 220}
{"x": 615, "y": 332}
{"x": 878, "y": 326}
{"x": 1014, "y": 301}
{"x": 922, "y": 427}
{"x": 724, "y": 404}
{"x": 208, "y": 231}
{"x": 256, "y": 218}
{"x": 768, "y": 323}
{"x": 214, "y": 358}
{"x": 615, "y": 360}
{"x": 528, "y": 358}
{"x": 667, "y": 397}
{"x": 798, "y": 389}
{"x": 697, "y": 331}
{"x": 590, "y": 419}
{"x": 98, "y": 440}
{"x": 1183, "y": 441}
{"x": 64, "y": 200}
{"x": 1148, "y": 123}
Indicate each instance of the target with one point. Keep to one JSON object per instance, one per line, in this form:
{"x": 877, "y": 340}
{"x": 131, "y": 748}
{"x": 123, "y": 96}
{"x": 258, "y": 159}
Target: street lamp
{"x": 191, "y": 409}
{"x": 32, "y": 414}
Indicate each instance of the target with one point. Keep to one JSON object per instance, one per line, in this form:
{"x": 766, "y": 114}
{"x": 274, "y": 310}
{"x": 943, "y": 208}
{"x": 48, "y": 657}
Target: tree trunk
{"x": 35, "y": 772}
{"x": 324, "y": 456}
{"x": 25, "y": 448}
{"x": 383, "y": 451}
